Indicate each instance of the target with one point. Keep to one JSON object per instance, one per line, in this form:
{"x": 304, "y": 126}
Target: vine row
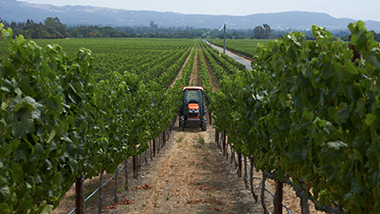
{"x": 308, "y": 111}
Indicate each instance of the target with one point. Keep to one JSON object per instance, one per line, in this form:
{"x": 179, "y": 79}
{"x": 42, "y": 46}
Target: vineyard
{"x": 66, "y": 116}
{"x": 305, "y": 116}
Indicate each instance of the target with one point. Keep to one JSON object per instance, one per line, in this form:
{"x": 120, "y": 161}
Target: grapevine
{"x": 63, "y": 117}
{"x": 306, "y": 104}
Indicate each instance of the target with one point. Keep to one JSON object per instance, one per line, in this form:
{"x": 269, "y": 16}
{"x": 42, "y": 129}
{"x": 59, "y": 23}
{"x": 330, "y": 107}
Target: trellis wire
{"x": 287, "y": 209}
{"x": 92, "y": 194}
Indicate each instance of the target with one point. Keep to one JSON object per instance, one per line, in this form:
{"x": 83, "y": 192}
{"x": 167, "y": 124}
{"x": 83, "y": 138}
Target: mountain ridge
{"x": 18, "y": 11}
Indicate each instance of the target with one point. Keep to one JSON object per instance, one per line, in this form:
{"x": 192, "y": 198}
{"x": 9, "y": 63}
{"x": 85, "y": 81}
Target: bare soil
{"x": 195, "y": 77}
{"x": 188, "y": 175}
{"x": 179, "y": 74}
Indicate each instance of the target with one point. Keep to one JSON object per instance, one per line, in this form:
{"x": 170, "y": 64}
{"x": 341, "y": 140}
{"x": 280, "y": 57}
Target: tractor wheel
{"x": 204, "y": 123}
{"x": 182, "y": 123}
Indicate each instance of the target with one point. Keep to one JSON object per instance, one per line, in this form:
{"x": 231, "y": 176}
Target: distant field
{"x": 246, "y": 47}
{"x": 117, "y": 54}
{"x": 109, "y": 45}
{"x": 103, "y": 46}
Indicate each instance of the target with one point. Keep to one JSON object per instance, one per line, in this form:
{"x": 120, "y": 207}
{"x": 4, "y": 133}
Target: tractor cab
{"x": 193, "y": 108}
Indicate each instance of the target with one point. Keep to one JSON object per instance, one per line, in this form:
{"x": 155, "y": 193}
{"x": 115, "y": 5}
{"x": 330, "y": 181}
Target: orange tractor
{"x": 193, "y": 109}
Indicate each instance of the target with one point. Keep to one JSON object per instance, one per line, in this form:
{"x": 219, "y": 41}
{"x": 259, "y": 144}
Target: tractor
{"x": 193, "y": 108}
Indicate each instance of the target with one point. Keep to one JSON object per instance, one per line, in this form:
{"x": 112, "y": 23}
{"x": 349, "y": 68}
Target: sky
{"x": 355, "y": 9}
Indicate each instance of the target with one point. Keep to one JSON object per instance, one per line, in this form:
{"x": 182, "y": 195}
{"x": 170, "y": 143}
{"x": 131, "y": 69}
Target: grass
{"x": 197, "y": 146}
{"x": 201, "y": 140}
{"x": 155, "y": 202}
{"x": 205, "y": 159}
{"x": 212, "y": 200}
{"x": 167, "y": 196}
{"x": 180, "y": 139}
{"x": 201, "y": 143}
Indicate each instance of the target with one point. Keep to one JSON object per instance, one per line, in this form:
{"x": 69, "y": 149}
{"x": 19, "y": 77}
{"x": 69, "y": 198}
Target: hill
{"x": 12, "y": 10}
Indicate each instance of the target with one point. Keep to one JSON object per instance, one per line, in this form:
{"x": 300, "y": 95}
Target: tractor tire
{"x": 204, "y": 123}
{"x": 182, "y": 123}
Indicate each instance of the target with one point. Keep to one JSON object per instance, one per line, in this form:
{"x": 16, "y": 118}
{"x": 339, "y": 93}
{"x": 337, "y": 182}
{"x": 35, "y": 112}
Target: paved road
{"x": 233, "y": 56}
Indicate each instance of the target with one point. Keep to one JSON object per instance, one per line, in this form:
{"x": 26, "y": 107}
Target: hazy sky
{"x": 355, "y": 9}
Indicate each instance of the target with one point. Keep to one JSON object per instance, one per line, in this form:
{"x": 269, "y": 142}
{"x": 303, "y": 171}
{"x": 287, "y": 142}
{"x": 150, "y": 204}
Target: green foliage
{"x": 52, "y": 28}
{"x": 225, "y": 61}
{"x": 262, "y": 32}
{"x": 307, "y": 109}
{"x": 62, "y": 116}
{"x": 205, "y": 76}
{"x": 218, "y": 70}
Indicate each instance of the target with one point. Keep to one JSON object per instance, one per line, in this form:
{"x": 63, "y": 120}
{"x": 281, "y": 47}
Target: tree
{"x": 45, "y": 35}
{"x": 262, "y": 32}
{"x": 258, "y": 32}
{"x": 267, "y": 31}
{"x": 13, "y": 25}
{"x": 53, "y": 22}
{"x": 93, "y": 35}
{"x": 152, "y": 25}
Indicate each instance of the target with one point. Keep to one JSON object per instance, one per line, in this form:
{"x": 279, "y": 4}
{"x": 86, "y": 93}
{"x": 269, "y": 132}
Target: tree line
{"x": 53, "y": 28}
{"x": 50, "y": 28}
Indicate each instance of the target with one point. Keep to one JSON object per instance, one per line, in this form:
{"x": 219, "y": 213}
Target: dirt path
{"x": 179, "y": 74}
{"x": 189, "y": 176}
{"x": 195, "y": 77}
